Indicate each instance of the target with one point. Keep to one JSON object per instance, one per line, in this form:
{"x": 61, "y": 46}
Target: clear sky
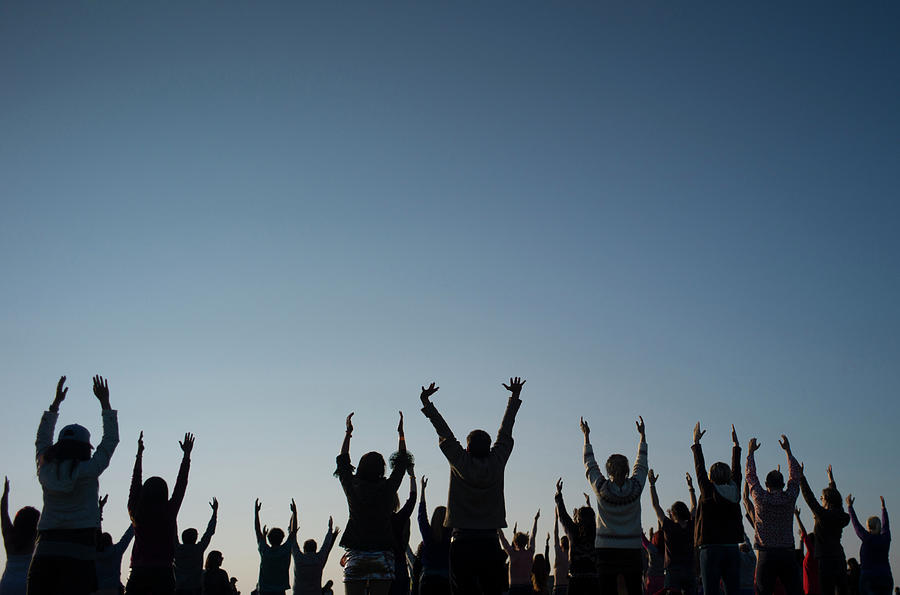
{"x": 254, "y": 218}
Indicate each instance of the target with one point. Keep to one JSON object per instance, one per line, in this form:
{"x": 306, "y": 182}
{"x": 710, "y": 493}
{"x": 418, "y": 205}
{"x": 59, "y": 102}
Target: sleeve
{"x": 885, "y": 523}
{"x": 327, "y": 544}
{"x": 45, "y": 433}
{"x": 736, "y": 464}
{"x": 752, "y": 479}
{"x": 857, "y": 528}
{"x": 344, "y": 471}
{"x": 703, "y": 481}
{"x": 503, "y": 543}
{"x": 424, "y": 527}
{"x": 449, "y": 445}
{"x": 410, "y": 504}
{"x": 122, "y": 545}
{"x": 104, "y": 451}
{"x": 592, "y": 469}
{"x": 564, "y": 518}
{"x": 134, "y": 493}
{"x": 794, "y": 476}
{"x": 210, "y": 531}
{"x": 810, "y": 498}
{"x": 4, "y": 518}
{"x": 639, "y": 471}
{"x": 503, "y": 445}
{"x": 180, "y": 484}
{"x": 396, "y": 477}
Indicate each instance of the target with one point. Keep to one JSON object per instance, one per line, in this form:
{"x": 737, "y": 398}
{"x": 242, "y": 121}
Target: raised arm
{"x": 794, "y": 472}
{"x": 735, "y": 457}
{"x": 810, "y": 498}
{"x": 639, "y": 472}
{"x": 800, "y": 524}
{"x": 402, "y": 463}
{"x": 591, "y": 468}
{"x": 211, "y": 526}
{"x": 104, "y": 451}
{"x": 48, "y": 422}
{"x": 4, "y": 511}
{"x": 345, "y": 445}
{"x": 424, "y": 527}
{"x": 563, "y": 515}
{"x": 749, "y": 510}
{"x": 532, "y": 539}
{"x": 410, "y": 504}
{"x": 181, "y": 482}
{"x": 885, "y": 521}
{"x": 654, "y": 498}
{"x": 699, "y": 462}
{"x": 503, "y": 445}
{"x": 503, "y": 542}
{"x": 330, "y": 534}
{"x": 556, "y": 543}
{"x": 449, "y": 445}
{"x": 692, "y": 493}
{"x": 752, "y": 479}
{"x": 134, "y": 494}
{"x": 260, "y": 536}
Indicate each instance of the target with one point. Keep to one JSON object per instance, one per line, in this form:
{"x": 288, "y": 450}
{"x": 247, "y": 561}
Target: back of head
{"x": 832, "y": 498}
{"x": 438, "y": 531}
{"x": 617, "y": 468}
{"x": 540, "y": 573}
{"x": 371, "y": 467}
{"x": 775, "y": 481}
{"x": 720, "y": 473}
{"x": 24, "y": 528}
{"x": 310, "y": 546}
{"x": 104, "y": 542}
{"x": 564, "y": 543}
{"x": 586, "y": 521}
{"x": 520, "y": 540}
{"x": 680, "y": 512}
{"x": 275, "y": 536}
{"x": 189, "y": 536}
{"x": 153, "y": 501}
{"x": 214, "y": 560}
{"x": 873, "y": 524}
{"x": 67, "y": 449}
{"x": 478, "y": 443}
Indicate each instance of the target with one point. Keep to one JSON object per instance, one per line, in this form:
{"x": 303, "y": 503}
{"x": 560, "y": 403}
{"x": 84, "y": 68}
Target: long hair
{"x": 438, "y": 530}
{"x": 586, "y": 523}
{"x": 153, "y": 503}
{"x": 540, "y": 573}
{"x": 24, "y": 529}
{"x": 371, "y": 467}
{"x": 66, "y": 450}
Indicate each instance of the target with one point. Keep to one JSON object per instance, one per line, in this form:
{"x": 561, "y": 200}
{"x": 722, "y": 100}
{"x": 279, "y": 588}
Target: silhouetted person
{"x": 560, "y": 558}
{"x": 109, "y": 558}
{"x": 853, "y": 576}
{"x": 875, "y": 576}
{"x": 582, "y": 534}
{"x": 654, "y": 573}
{"x": 521, "y": 558}
{"x": 719, "y": 526}
{"x": 618, "y": 513}
{"x": 154, "y": 516}
{"x": 189, "y": 556}
{"x": 69, "y": 475}
{"x": 830, "y": 520}
{"x": 274, "y": 556}
{"x": 368, "y": 539}
{"x": 308, "y": 561}
{"x": 19, "y": 536}
{"x": 540, "y": 571}
{"x": 214, "y": 580}
{"x": 400, "y": 525}
{"x": 678, "y": 534}
{"x": 774, "y": 523}
{"x": 810, "y": 567}
{"x": 435, "y": 550}
{"x": 328, "y": 588}
{"x": 476, "y": 508}
{"x": 748, "y": 567}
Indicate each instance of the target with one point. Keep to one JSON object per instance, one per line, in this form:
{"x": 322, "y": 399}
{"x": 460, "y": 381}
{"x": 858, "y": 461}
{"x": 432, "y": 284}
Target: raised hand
{"x": 350, "y": 423}
{"x": 734, "y": 438}
{"x": 830, "y": 474}
{"x": 753, "y": 446}
{"x": 60, "y": 393}
{"x": 882, "y": 501}
{"x": 851, "y": 500}
{"x": 188, "y": 445}
{"x": 514, "y": 386}
{"x": 538, "y": 514}
{"x": 559, "y": 485}
{"x": 330, "y": 524}
{"x": 640, "y": 427}
{"x": 101, "y": 391}
{"x": 258, "y": 506}
{"x": 6, "y": 488}
{"x": 424, "y": 482}
{"x": 652, "y": 477}
{"x": 690, "y": 482}
{"x": 515, "y": 528}
{"x": 547, "y": 543}
{"x": 697, "y": 433}
{"x": 797, "y": 512}
{"x": 214, "y": 504}
{"x": 293, "y": 507}
{"x": 141, "y": 443}
{"x": 785, "y": 444}
{"x": 102, "y": 502}
{"x": 587, "y": 499}
{"x": 585, "y": 428}
{"x": 400, "y": 425}
{"x": 427, "y": 392}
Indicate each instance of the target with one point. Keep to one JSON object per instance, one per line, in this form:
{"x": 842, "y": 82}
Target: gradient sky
{"x": 254, "y": 218}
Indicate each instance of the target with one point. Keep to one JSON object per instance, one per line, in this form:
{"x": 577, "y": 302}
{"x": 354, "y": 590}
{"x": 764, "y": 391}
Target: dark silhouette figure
{"x": 434, "y": 556}
{"x": 18, "y": 541}
{"x": 154, "y": 516}
{"x": 810, "y": 567}
{"x": 308, "y": 562}
{"x": 774, "y": 523}
{"x": 678, "y": 535}
{"x": 214, "y": 580}
{"x": 830, "y": 520}
{"x": 582, "y": 534}
{"x": 400, "y": 525}
{"x": 618, "y": 513}
{"x": 476, "y": 508}
{"x": 560, "y": 558}
{"x": 189, "y": 556}
{"x": 369, "y": 538}
{"x": 875, "y": 576}
{"x": 274, "y": 556}
{"x": 109, "y": 557}
{"x": 69, "y": 475}
{"x": 521, "y": 558}
{"x": 719, "y": 527}
{"x": 853, "y": 574}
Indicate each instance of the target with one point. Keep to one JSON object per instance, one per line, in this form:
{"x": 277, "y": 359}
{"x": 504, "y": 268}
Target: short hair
{"x": 478, "y": 443}
{"x": 520, "y": 539}
{"x": 276, "y": 536}
{"x": 371, "y": 466}
{"x": 775, "y": 480}
{"x": 189, "y": 536}
{"x": 873, "y": 524}
{"x": 617, "y": 465}
{"x": 310, "y": 546}
{"x": 720, "y": 473}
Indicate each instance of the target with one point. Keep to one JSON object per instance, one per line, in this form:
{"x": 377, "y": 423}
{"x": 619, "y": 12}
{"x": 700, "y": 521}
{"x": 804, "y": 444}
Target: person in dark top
{"x": 678, "y": 535}
{"x": 109, "y": 557}
{"x": 19, "y": 536}
{"x": 309, "y": 562}
{"x": 582, "y": 533}
{"x": 719, "y": 528}
{"x": 875, "y": 569}
{"x": 434, "y": 556}
{"x": 154, "y": 517}
{"x": 215, "y": 580}
{"x": 189, "y": 555}
{"x": 830, "y": 520}
{"x": 476, "y": 507}
{"x": 369, "y": 538}
{"x": 274, "y": 553}
{"x": 853, "y": 573}
{"x": 810, "y": 567}
{"x": 400, "y": 526}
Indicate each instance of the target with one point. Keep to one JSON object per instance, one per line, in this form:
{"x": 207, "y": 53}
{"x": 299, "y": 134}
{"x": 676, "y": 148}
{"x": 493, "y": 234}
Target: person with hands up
{"x": 719, "y": 529}
{"x": 308, "y": 561}
{"x": 774, "y": 522}
{"x": 875, "y": 569}
{"x": 582, "y": 532}
{"x": 476, "y": 506}
{"x": 521, "y": 558}
{"x": 190, "y": 553}
{"x": 400, "y": 525}
{"x": 368, "y": 539}
{"x": 274, "y": 556}
{"x": 830, "y": 520}
{"x": 435, "y": 553}
{"x": 618, "y": 512}
{"x": 154, "y": 516}
{"x": 678, "y": 537}
{"x": 109, "y": 558}
{"x": 19, "y": 537}
{"x": 69, "y": 476}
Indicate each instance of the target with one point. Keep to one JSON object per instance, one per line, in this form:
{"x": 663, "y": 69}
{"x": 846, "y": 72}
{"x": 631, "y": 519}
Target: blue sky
{"x": 256, "y": 218}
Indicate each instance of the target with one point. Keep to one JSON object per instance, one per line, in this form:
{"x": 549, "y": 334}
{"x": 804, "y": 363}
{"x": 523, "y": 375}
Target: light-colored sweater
{"x": 71, "y": 492}
{"x": 618, "y": 507}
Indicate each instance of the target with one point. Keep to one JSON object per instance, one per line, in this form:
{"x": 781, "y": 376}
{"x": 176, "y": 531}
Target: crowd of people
{"x": 700, "y": 547}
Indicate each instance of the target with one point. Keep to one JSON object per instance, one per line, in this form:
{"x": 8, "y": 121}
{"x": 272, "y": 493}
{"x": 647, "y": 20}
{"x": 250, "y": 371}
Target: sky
{"x": 255, "y": 218}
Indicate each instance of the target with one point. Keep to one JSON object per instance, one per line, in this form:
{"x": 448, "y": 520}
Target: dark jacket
{"x": 718, "y": 519}
{"x": 370, "y": 505}
{"x": 829, "y": 524}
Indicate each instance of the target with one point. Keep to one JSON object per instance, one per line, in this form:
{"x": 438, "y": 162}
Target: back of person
{"x": 188, "y": 567}
{"x": 308, "y": 572}
{"x": 274, "y": 568}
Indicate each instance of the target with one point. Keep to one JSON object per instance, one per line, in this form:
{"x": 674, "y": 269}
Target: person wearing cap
{"x": 69, "y": 476}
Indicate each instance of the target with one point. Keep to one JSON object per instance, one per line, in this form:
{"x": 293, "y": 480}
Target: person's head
{"x": 720, "y": 473}
{"x": 564, "y": 543}
{"x": 586, "y": 521}
{"x": 438, "y": 530}
{"x": 371, "y": 466}
{"x": 310, "y": 546}
{"x": 104, "y": 541}
{"x": 873, "y": 524}
{"x": 617, "y": 468}
{"x": 540, "y": 573}
{"x": 775, "y": 481}
{"x": 275, "y": 536}
{"x": 478, "y": 443}
{"x": 853, "y": 564}
{"x": 214, "y": 560}
{"x": 153, "y": 500}
{"x": 520, "y": 540}
{"x": 189, "y": 536}
{"x": 73, "y": 444}
{"x": 680, "y": 512}
{"x": 24, "y": 528}
{"x": 831, "y": 499}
